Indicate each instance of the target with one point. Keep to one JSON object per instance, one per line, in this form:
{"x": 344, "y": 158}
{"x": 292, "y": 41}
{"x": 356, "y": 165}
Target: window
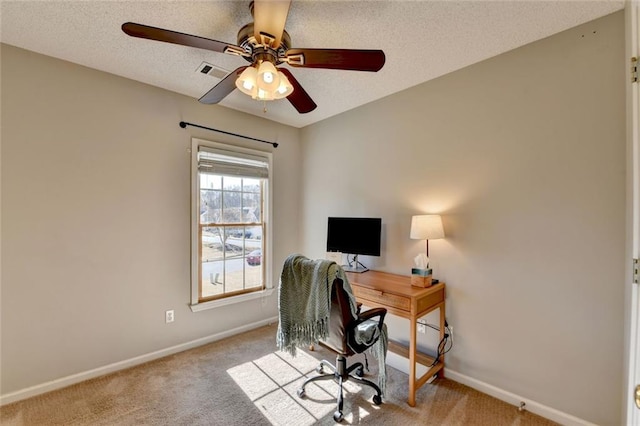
{"x": 230, "y": 215}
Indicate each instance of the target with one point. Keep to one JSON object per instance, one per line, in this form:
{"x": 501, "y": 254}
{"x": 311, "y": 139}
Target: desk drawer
{"x": 387, "y": 299}
{"x": 426, "y": 303}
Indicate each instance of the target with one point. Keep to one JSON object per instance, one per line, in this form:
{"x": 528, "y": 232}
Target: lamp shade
{"x": 426, "y": 227}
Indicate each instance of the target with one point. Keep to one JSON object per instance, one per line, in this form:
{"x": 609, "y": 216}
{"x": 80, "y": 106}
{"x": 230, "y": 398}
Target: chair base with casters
{"x": 344, "y": 339}
{"x": 340, "y": 374}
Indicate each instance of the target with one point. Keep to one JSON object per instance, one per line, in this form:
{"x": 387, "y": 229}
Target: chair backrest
{"x": 340, "y": 318}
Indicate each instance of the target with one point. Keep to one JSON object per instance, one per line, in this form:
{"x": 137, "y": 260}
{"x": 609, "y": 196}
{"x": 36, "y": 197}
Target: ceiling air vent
{"x": 212, "y": 70}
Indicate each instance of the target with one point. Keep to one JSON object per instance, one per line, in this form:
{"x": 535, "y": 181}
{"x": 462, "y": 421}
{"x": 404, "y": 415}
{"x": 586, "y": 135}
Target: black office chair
{"x": 348, "y": 335}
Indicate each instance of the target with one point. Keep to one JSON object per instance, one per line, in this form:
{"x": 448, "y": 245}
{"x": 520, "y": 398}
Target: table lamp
{"x": 424, "y": 227}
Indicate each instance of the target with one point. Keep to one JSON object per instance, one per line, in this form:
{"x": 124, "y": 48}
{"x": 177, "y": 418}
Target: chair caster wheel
{"x": 337, "y": 416}
{"x": 320, "y": 369}
{"x": 377, "y": 400}
{"x": 301, "y": 393}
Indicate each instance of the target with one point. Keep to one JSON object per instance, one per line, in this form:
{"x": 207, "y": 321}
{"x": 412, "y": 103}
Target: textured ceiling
{"x": 421, "y": 40}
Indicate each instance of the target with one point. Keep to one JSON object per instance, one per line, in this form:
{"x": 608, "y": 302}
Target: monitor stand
{"x": 354, "y": 265}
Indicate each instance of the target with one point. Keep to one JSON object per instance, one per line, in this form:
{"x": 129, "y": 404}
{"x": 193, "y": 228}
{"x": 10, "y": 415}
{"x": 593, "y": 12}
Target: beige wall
{"x": 524, "y": 155}
{"x": 95, "y": 217}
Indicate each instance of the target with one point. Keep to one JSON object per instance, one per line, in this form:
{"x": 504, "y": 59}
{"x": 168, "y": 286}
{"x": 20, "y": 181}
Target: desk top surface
{"x": 390, "y": 283}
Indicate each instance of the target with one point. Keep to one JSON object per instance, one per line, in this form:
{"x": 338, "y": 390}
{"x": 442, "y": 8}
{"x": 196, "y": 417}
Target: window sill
{"x": 197, "y": 307}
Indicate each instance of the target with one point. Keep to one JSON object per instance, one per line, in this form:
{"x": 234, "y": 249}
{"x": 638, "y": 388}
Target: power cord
{"x": 445, "y": 344}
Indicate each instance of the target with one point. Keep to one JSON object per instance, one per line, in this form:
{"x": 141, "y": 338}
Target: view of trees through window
{"x": 231, "y": 230}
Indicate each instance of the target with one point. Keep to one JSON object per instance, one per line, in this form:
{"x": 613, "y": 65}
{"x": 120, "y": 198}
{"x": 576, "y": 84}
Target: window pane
{"x": 253, "y": 269}
{"x": 231, "y": 183}
{"x": 235, "y": 233}
{"x": 251, "y": 207}
{"x": 232, "y": 207}
{"x": 234, "y": 274}
{"x": 208, "y": 181}
{"x": 253, "y": 234}
{"x": 211, "y": 244}
{"x": 210, "y": 206}
{"x": 233, "y": 242}
{"x": 251, "y": 185}
{"x": 212, "y": 278}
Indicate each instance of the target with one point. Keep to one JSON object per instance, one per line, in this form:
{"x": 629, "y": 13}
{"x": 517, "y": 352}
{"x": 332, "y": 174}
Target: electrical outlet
{"x": 422, "y": 328}
{"x": 168, "y": 316}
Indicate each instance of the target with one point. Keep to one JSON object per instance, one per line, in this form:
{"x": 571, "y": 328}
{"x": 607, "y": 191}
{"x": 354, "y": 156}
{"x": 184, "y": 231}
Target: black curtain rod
{"x": 184, "y": 124}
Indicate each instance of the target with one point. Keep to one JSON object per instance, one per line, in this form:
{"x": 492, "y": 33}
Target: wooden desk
{"x": 395, "y": 293}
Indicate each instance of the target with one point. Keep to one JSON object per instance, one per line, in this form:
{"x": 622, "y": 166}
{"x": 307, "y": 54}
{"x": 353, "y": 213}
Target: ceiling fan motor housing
{"x": 262, "y": 51}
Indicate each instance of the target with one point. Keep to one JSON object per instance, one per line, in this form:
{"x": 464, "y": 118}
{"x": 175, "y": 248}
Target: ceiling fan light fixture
{"x": 268, "y": 78}
{"x": 285, "y": 88}
{"x": 246, "y": 83}
{"x": 252, "y": 82}
{"x": 264, "y": 95}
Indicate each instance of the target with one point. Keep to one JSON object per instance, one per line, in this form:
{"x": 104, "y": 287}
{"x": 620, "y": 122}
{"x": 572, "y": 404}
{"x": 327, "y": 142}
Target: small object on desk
{"x": 421, "y": 277}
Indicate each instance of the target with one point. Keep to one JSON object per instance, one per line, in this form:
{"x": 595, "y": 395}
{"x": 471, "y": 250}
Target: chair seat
{"x": 367, "y": 332}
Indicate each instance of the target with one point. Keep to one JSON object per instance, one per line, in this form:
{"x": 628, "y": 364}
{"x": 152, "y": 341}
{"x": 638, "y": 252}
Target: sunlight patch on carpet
{"x": 272, "y": 382}
{"x": 252, "y": 380}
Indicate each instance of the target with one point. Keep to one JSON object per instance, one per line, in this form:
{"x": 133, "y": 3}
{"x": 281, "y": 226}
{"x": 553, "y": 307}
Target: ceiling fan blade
{"x": 299, "y": 98}
{"x": 222, "y": 89}
{"x": 337, "y": 59}
{"x": 168, "y": 36}
{"x": 269, "y": 18}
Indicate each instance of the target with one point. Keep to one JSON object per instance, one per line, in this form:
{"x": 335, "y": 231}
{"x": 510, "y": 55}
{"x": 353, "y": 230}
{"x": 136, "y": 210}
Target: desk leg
{"x": 412, "y": 362}
{"x": 442, "y": 331}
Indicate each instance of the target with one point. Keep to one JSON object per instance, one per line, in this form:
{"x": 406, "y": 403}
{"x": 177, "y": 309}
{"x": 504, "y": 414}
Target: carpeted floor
{"x": 243, "y": 380}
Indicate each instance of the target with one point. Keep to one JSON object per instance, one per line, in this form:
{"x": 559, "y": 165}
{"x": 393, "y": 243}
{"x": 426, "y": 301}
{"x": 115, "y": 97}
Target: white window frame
{"x": 196, "y": 305}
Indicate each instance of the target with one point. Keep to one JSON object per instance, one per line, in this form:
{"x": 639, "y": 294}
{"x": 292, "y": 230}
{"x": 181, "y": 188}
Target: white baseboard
{"x": 401, "y": 363}
{"x": 101, "y": 371}
{"x": 511, "y": 398}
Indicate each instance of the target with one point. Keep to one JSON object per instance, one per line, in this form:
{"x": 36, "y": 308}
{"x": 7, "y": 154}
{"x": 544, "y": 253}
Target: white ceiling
{"x": 421, "y": 40}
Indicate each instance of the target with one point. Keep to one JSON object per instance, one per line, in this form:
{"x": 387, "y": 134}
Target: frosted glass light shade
{"x": 284, "y": 89}
{"x": 265, "y": 83}
{"x": 268, "y": 78}
{"x": 426, "y": 227}
{"x": 264, "y": 95}
{"x": 246, "y": 83}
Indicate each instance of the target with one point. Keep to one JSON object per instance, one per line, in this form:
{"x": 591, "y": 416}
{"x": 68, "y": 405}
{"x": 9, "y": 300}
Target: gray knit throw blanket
{"x": 304, "y": 304}
{"x": 304, "y": 301}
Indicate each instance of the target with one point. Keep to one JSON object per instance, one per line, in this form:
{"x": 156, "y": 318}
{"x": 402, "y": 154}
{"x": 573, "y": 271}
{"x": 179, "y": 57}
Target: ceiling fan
{"x": 265, "y": 44}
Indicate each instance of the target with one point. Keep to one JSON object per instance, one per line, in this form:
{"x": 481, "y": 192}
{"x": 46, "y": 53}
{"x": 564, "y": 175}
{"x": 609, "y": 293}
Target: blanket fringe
{"x": 379, "y": 351}
{"x": 302, "y": 335}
